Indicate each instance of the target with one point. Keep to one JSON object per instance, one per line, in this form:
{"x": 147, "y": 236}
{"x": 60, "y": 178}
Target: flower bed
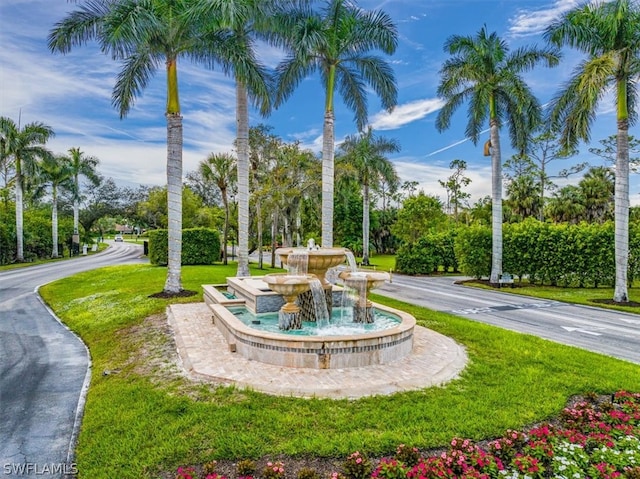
{"x": 592, "y": 439}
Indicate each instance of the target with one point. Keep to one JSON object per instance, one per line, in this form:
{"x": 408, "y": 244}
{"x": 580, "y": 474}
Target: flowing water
{"x": 298, "y": 263}
{"x": 351, "y": 261}
{"x": 319, "y": 303}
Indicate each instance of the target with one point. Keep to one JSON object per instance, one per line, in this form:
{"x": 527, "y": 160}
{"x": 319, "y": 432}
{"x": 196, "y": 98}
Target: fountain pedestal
{"x": 363, "y": 282}
{"x": 290, "y": 287}
{"x": 319, "y": 260}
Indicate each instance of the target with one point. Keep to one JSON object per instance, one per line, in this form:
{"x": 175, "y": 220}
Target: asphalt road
{"x": 44, "y": 369}
{"x": 608, "y": 332}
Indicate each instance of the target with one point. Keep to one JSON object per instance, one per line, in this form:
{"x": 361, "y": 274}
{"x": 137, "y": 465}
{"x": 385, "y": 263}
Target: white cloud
{"x": 533, "y": 22}
{"x": 406, "y": 113}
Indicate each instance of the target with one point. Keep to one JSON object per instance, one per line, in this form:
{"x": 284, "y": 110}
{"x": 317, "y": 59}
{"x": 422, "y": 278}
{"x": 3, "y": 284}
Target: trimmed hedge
{"x": 579, "y": 255}
{"x": 199, "y": 246}
{"x": 427, "y": 254}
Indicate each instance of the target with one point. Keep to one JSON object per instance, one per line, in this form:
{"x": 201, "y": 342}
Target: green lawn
{"x": 136, "y": 425}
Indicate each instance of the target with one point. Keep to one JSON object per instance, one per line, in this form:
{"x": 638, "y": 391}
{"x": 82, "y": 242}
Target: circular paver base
{"x": 436, "y": 359}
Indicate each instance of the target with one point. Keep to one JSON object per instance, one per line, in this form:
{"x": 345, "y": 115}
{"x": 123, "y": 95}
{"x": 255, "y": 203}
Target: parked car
{"x": 118, "y": 238}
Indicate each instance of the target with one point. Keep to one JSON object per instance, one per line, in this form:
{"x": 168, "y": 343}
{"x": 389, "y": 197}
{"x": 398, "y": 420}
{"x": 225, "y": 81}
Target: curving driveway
{"x": 44, "y": 369}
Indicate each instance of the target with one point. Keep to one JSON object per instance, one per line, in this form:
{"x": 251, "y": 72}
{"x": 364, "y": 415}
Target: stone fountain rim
{"x": 322, "y": 251}
{"x": 302, "y": 278}
{"x": 407, "y": 323}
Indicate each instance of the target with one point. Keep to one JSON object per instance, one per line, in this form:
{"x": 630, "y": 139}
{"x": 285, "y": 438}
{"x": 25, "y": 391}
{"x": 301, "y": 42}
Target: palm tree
{"x": 25, "y": 146}
{"x": 244, "y": 21}
{"x": 220, "y": 169}
{"x": 566, "y": 205}
{"x": 337, "y": 43}
{"x": 146, "y": 35}
{"x": 598, "y": 189}
{"x": 81, "y": 165}
{"x": 483, "y": 72}
{"x": 524, "y": 198}
{"x": 55, "y": 172}
{"x": 607, "y": 32}
{"x": 365, "y": 152}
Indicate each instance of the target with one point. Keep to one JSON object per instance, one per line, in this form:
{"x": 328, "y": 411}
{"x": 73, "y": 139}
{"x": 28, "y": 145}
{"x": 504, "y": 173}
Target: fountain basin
{"x": 320, "y": 260}
{"x": 372, "y": 279}
{"x": 317, "y": 352}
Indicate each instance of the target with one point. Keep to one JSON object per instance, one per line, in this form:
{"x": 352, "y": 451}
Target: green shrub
{"x": 473, "y": 250}
{"x": 199, "y": 246}
{"x": 428, "y": 253}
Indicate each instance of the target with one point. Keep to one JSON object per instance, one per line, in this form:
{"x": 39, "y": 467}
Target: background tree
{"x": 453, "y": 186}
{"x": 418, "y": 215}
{"x": 220, "y": 170}
{"x": 55, "y": 172}
{"x": 366, "y": 154}
{"x": 262, "y": 150}
{"x": 598, "y": 189}
{"x": 543, "y": 149}
{"x": 607, "y": 32}
{"x": 609, "y": 148}
{"x": 566, "y": 205}
{"x": 81, "y": 165}
{"x": 24, "y": 146}
{"x": 337, "y": 43}
{"x": 482, "y": 72}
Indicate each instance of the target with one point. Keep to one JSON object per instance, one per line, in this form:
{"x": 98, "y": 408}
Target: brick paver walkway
{"x": 435, "y": 360}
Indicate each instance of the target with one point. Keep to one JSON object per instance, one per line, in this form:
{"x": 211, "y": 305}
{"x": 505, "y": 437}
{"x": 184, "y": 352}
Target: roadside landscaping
{"x": 143, "y": 418}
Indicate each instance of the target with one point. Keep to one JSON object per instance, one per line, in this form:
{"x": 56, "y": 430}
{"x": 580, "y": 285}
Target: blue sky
{"x": 72, "y": 93}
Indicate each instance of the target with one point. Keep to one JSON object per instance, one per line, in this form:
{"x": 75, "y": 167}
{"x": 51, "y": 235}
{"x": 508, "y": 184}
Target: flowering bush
{"x": 246, "y": 469}
{"x": 409, "y": 456}
{"x": 390, "y": 469}
{"x": 593, "y": 440}
{"x": 357, "y": 466}
{"x": 273, "y": 470}
{"x": 186, "y": 473}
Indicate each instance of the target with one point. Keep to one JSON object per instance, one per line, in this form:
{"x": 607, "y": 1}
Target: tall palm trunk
{"x": 327, "y": 179}
{"x": 620, "y": 293}
{"x": 173, "y": 283}
{"x": 225, "y": 233}
{"x": 76, "y": 216}
{"x": 496, "y": 204}
{"x": 260, "y": 226}
{"x": 19, "y": 217}
{"x": 54, "y": 222}
{"x": 242, "y": 120}
{"x": 365, "y": 224}
{"x": 76, "y": 205}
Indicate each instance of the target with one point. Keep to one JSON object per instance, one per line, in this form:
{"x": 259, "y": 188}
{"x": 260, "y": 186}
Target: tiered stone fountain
{"x": 321, "y": 349}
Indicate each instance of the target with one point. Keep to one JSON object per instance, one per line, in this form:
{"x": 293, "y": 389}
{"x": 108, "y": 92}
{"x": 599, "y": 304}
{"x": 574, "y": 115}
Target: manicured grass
{"x": 381, "y": 262}
{"x": 135, "y": 426}
{"x": 585, "y": 296}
